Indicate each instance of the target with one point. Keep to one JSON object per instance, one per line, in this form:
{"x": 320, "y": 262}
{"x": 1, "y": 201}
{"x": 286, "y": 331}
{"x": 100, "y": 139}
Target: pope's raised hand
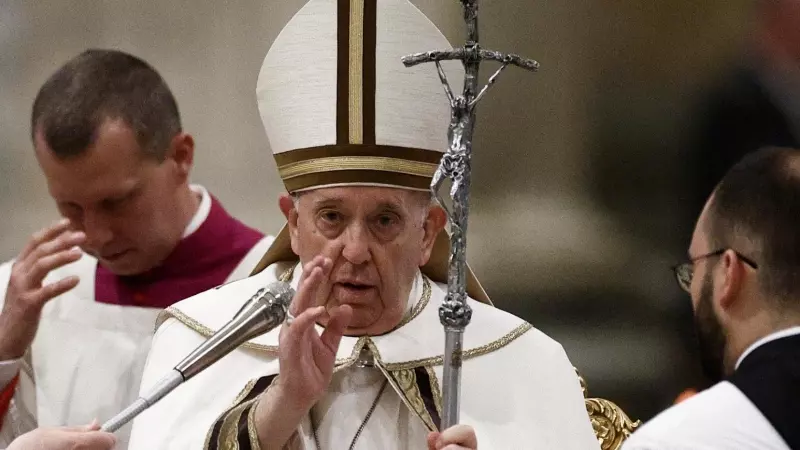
{"x": 307, "y": 357}
{"x": 47, "y": 250}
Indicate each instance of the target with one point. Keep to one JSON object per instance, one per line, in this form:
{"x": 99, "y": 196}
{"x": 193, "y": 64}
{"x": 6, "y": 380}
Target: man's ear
{"x": 181, "y": 153}
{"x": 433, "y": 225}
{"x": 731, "y": 272}
{"x": 286, "y": 203}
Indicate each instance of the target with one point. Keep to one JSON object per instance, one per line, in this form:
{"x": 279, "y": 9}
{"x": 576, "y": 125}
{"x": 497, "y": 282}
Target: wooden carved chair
{"x": 610, "y": 423}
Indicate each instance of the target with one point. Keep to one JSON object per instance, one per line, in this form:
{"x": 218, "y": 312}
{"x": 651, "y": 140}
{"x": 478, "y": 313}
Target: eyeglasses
{"x": 685, "y": 272}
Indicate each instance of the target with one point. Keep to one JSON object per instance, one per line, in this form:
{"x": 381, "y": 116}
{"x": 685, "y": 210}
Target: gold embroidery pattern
{"x": 356, "y": 68}
{"x": 286, "y": 276}
{"x": 407, "y": 382}
{"x": 471, "y": 353}
{"x": 247, "y": 388}
{"x": 437, "y": 393}
{"x": 347, "y": 362}
{"x": 208, "y": 332}
{"x": 610, "y": 423}
{"x": 251, "y": 427}
{"x": 338, "y": 163}
{"x": 207, "y": 443}
{"x": 421, "y": 304}
{"x": 229, "y": 432}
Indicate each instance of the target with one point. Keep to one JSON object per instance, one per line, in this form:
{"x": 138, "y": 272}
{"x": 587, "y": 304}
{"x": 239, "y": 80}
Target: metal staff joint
{"x": 455, "y": 313}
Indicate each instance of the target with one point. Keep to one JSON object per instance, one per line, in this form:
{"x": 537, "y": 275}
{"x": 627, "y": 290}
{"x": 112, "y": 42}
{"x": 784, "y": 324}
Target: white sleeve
{"x": 8, "y": 370}
{"x": 166, "y": 425}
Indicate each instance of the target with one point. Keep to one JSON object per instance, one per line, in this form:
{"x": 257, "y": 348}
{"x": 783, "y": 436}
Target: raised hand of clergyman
{"x": 47, "y": 250}
{"x": 307, "y": 358}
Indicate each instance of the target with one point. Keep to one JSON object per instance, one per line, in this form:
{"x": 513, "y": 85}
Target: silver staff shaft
{"x": 455, "y": 313}
{"x": 451, "y": 380}
{"x": 261, "y": 313}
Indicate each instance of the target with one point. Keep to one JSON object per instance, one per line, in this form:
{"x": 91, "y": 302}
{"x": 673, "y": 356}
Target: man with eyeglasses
{"x": 744, "y": 280}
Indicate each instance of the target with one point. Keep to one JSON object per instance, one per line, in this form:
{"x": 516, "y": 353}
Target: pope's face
{"x": 377, "y": 239}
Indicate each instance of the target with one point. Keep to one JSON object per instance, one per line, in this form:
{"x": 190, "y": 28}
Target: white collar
{"x": 412, "y": 344}
{"x": 768, "y": 338}
{"x": 201, "y": 214}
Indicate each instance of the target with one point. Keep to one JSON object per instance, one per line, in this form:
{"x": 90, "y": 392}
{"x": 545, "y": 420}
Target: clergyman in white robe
{"x": 518, "y": 390}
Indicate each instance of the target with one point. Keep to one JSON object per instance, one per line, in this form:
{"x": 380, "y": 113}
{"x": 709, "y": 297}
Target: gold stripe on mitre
{"x": 350, "y": 164}
{"x": 355, "y": 71}
{"x": 335, "y": 163}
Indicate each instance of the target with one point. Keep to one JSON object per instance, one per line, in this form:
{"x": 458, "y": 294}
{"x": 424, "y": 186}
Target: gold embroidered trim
{"x": 437, "y": 393}
{"x": 407, "y": 382}
{"x": 401, "y": 392}
{"x": 346, "y": 362}
{"x": 287, "y": 274}
{"x": 247, "y": 388}
{"x": 471, "y": 353}
{"x": 251, "y": 427}
{"x": 421, "y": 304}
{"x": 411, "y": 396}
{"x": 208, "y": 332}
{"x": 229, "y": 431}
{"x": 373, "y": 163}
{"x": 356, "y": 68}
{"x": 207, "y": 443}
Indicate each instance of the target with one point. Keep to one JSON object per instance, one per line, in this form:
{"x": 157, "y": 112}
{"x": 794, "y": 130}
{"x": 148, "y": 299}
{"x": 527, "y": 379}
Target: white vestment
{"x": 719, "y": 418}
{"x": 518, "y": 389}
{"x": 87, "y": 358}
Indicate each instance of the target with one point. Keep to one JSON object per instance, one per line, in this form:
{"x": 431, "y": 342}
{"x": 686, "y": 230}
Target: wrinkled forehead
{"x": 109, "y": 167}
{"x": 361, "y": 197}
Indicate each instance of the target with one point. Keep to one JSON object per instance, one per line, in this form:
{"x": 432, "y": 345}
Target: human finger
{"x": 339, "y": 320}
{"x": 44, "y": 235}
{"x": 460, "y": 434}
{"x": 53, "y": 290}
{"x": 64, "y": 241}
{"x": 309, "y": 267}
{"x": 95, "y": 440}
{"x": 433, "y": 439}
{"x": 39, "y": 269}
{"x": 307, "y": 289}
{"x": 93, "y": 426}
{"x": 296, "y": 332}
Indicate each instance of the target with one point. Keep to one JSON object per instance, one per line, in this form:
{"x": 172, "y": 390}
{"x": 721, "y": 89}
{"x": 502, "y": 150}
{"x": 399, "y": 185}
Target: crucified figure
{"x": 455, "y": 313}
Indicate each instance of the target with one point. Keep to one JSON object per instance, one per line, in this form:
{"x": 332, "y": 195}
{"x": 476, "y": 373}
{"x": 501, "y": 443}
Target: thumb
{"x": 93, "y": 426}
{"x": 433, "y": 440}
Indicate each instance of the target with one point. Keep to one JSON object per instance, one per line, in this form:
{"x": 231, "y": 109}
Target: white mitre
{"x": 341, "y": 109}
